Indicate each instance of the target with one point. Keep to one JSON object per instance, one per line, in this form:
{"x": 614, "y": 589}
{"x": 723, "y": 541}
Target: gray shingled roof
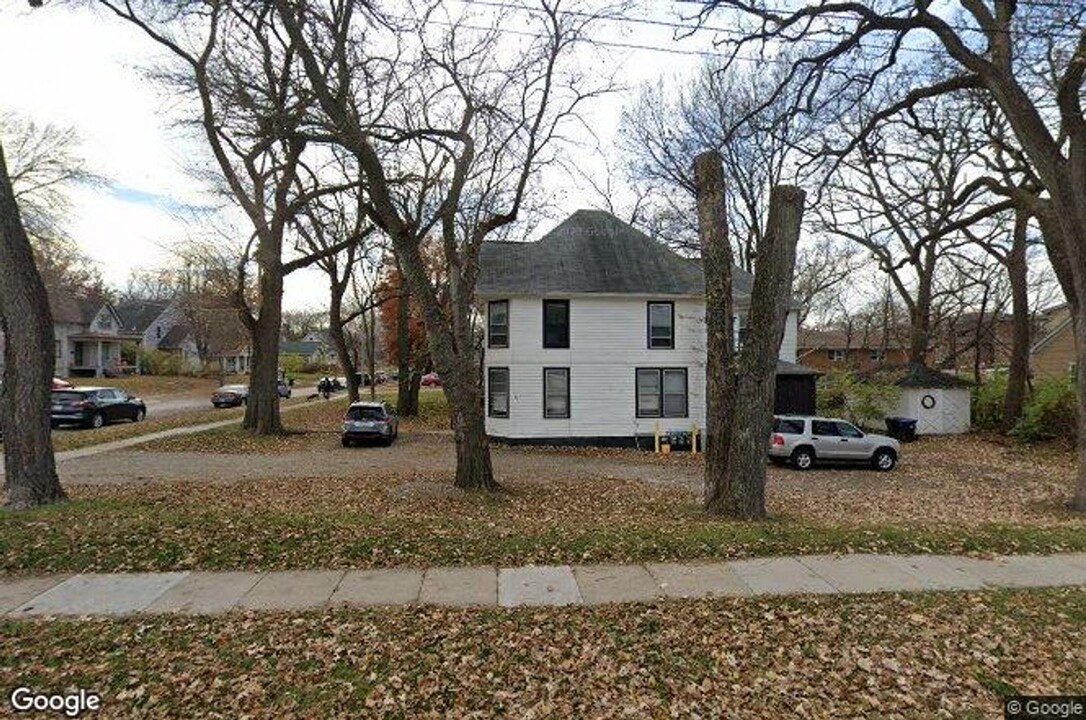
{"x": 137, "y": 315}
{"x": 592, "y": 251}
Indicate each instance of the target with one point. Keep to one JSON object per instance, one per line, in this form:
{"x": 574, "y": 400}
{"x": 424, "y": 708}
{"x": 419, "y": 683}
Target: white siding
{"x": 608, "y": 342}
{"x": 788, "y": 343}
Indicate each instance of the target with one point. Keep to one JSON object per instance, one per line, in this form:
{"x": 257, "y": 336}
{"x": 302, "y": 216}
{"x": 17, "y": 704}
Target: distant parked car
{"x": 431, "y": 380}
{"x": 370, "y": 421}
{"x": 94, "y": 407}
{"x": 380, "y": 377}
{"x": 802, "y": 441}
{"x": 284, "y": 389}
{"x": 230, "y": 396}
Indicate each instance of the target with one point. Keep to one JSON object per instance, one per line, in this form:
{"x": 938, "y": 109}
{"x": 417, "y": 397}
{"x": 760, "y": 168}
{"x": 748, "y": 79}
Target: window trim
{"x": 569, "y": 398}
{"x": 832, "y": 354}
{"x": 569, "y": 323}
{"x": 648, "y": 325}
{"x": 490, "y": 324}
{"x": 490, "y": 412}
{"x": 661, "y": 415}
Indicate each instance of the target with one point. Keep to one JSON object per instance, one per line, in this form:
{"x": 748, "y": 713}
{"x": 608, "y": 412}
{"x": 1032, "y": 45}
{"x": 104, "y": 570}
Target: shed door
{"x": 795, "y": 395}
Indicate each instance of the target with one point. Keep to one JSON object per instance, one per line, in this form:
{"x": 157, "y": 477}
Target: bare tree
{"x": 1029, "y": 58}
{"x": 238, "y": 66}
{"x": 30, "y": 477}
{"x": 448, "y": 133}
{"x": 740, "y": 383}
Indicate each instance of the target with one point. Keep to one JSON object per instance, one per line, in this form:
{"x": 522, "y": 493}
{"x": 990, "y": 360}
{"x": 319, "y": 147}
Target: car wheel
{"x": 884, "y": 459}
{"x": 803, "y": 458}
{"x": 141, "y": 414}
{"x": 345, "y": 442}
{"x": 97, "y": 420}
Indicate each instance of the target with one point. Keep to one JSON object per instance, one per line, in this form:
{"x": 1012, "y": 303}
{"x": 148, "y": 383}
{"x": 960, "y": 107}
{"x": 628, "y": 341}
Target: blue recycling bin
{"x": 901, "y": 428}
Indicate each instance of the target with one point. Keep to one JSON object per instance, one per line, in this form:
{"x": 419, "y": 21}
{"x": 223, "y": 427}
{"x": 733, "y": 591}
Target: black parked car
{"x": 94, "y": 407}
{"x": 230, "y": 396}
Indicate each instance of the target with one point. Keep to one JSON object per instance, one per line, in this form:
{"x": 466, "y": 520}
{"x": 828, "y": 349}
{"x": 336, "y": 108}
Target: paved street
{"x": 208, "y": 593}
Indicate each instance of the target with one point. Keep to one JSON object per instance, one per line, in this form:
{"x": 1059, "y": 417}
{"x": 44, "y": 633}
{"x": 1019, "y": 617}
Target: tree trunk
{"x": 716, "y": 258}
{"x": 30, "y": 478}
{"x": 1018, "y": 375}
{"x": 262, "y": 411}
{"x": 406, "y": 404}
{"x": 339, "y": 339}
{"x": 920, "y": 312}
{"x": 473, "y": 467}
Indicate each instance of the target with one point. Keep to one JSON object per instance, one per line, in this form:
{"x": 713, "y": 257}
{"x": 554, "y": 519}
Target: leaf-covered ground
{"x": 888, "y": 656}
{"x": 360, "y": 522}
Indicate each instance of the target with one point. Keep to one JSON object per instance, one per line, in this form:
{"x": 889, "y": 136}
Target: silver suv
{"x": 802, "y": 440}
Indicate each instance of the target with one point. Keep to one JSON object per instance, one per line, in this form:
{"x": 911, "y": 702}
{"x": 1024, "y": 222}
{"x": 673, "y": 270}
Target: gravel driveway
{"x": 413, "y": 455}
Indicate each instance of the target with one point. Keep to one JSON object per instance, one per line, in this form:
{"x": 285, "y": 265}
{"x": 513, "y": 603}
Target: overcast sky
{"x": 78, "y": 68}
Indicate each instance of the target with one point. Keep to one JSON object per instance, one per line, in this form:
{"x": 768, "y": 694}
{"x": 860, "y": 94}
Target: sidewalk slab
{"x": 292, "y": 590}
{"x": 18, "y": 591}
{"x": 862, "y": 573}
{"x": 378, "y": 587}
{"x": 615, "y": 584}
{"x": 105, "y": 594}
{"x": 460, "y": 587}
{"x": 692, "y": 581}
{"x": 205, "y": 593}
{"x": 538, "y": 585}
{"x": 779, "y": 576}
{"x": 936, "y": 571}
{"x": 1016, "y": 571}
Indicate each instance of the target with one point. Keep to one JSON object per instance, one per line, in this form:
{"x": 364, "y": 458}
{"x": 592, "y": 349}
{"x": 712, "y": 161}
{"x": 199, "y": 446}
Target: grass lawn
{"x": 901, "y": 656}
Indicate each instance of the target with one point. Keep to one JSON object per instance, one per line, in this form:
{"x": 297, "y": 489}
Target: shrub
{"x": 988, "y": 403}
{"x": 863, "y": 402}
{"x": 157, "y": 362}
{"x": 1051, "y": 413}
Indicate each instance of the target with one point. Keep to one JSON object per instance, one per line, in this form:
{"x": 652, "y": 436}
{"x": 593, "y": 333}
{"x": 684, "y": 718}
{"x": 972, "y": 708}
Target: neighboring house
{"x": 311, "y": 352}
{"x": 595, "y": 334}
{"x": 147, "y": 322}
{"x": 226, "y": 338}
{"x": 88, "y": 334}
{"x": 833, "y": 349}
{"x": 1053, "y": 355}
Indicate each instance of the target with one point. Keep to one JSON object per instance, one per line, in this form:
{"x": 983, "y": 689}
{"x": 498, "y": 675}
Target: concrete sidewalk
{"x": 210, "y": 593}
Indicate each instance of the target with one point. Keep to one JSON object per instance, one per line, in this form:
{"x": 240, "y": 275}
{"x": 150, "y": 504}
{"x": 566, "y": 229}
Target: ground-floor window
{"x": 497, "y": 383}
{"x": 662, "y": 392}
{"x": 556, "y": 392}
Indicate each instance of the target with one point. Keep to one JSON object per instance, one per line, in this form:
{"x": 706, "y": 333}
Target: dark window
{"x": 661, "y": 392}
{"x": 845, "y": 429}
{"x": 556, "y": 323}
{"x": 661, "y": 325}
{"x": 498, "y": 324}
{"x": 498, "y": 392}
{"x": 556, "y": 392}
{"x": 788, "y": 427}
{"x": 824, "y": 427}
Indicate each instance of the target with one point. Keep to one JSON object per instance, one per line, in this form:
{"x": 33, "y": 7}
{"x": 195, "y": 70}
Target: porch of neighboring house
{"x": 94, "y": 356}
{"x": 236, "y": 364}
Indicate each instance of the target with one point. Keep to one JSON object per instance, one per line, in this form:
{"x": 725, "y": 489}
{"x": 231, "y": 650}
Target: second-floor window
{"x": 498, "y": 324}
{"x": 836, "y": 355}
{"x": 556, "y": 323}
{"x": 661, "y": 325}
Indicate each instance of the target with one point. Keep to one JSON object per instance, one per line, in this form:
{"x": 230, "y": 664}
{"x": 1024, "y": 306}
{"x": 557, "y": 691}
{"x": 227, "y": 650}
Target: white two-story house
{"x": 595, "y": 334}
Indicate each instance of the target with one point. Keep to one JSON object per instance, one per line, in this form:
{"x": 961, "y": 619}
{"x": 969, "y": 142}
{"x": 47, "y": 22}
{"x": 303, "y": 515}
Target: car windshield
{"x": 788, "y": 426}
{"x": 232, "y": 388}
{"x": 365, "y": 412}
{"x": 67, "y": 397}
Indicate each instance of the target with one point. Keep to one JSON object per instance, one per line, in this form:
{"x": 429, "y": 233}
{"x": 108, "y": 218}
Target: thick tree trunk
{"x": 407, "y": 405}
{"x": 716, "y": 258}
{"x": 262, "y": 412}
{"x": 30, "y": 478}
{"x": 1018, "y": 374}
{"x": 339, "y": 340}
{"x": 920, "y": 312}
{"x": 473, "y": 468}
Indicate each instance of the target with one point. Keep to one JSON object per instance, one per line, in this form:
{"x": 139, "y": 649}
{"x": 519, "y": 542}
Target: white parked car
{"x": 802, "y": 441}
